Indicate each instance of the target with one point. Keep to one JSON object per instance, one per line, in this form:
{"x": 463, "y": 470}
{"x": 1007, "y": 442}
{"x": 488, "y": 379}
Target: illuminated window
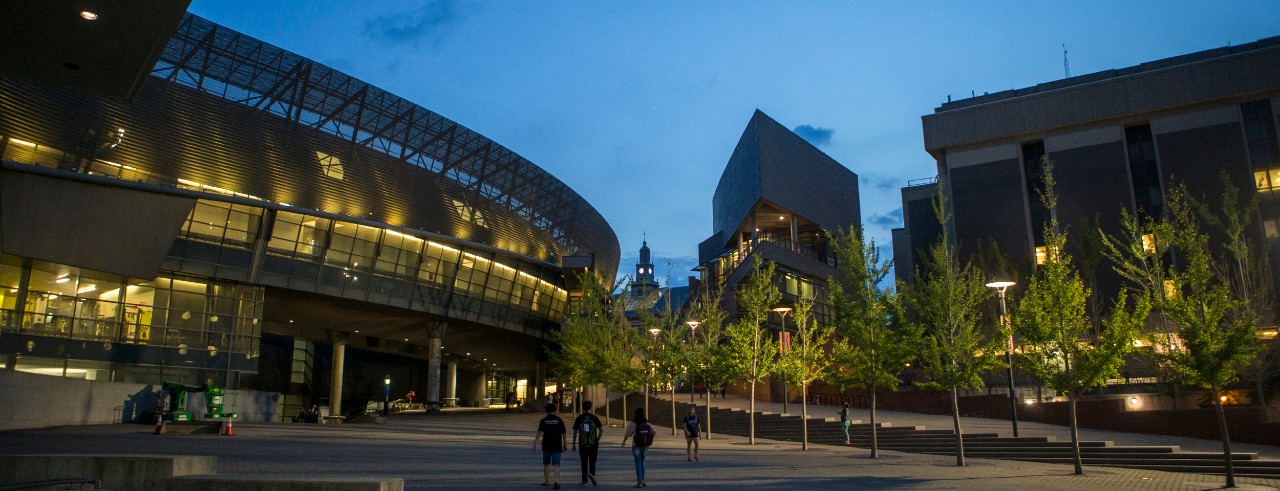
{"x": 1170, "y": 289}
{"x": 1042, "y": 255}
{"x": 1149, "y": 243}
{"x": 331, "y": 165}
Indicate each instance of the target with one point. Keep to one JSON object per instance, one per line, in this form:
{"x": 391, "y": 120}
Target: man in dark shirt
{"x": 587, "y": 431}
{"x": 552, "y": 433}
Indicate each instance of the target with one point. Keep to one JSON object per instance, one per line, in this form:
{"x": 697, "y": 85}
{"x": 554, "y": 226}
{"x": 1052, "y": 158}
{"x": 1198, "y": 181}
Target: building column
{"x": 433, "y": 359}
{"x": 451, "y": 380}
{"x": 795, "y": 233}
{"x": 540, "y": 382}
{"x": 335, "y": 377}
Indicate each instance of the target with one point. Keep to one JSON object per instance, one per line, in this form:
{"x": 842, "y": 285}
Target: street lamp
{"x": 386, "y": 395}
{"x": 783, "y": 310}
{"x": 693, "y": 336}
{"x": 649, "y": 369}
{"x": 1001, "y": 286}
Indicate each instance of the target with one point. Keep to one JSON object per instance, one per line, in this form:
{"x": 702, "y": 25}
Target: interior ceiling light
{"x": 87, "y": 15}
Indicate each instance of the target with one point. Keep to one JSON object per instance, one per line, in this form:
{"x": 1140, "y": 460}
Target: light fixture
{"x": 357, "y": 330}
{"x": 186, "y": 315}
{"x": 62, "y": 279}
{"x": 654, "y": 331}
{"x": 1133, "y": 400}
{"x": 87, "y": 15}
{"x": 1222, "y": 398}
{"x": 213, "y": 318}
{"x": 693, "y": 324}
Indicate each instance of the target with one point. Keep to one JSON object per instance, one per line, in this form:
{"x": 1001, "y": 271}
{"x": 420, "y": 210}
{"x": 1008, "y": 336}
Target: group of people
{"x": 586, "y": 436}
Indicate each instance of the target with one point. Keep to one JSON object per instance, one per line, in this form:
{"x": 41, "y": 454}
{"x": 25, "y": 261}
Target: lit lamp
{"x": 386, "y": 395}
{"x": 1001, "y": 286}
{"x": 649, "y": 367}
{"x": 783, "y": 310}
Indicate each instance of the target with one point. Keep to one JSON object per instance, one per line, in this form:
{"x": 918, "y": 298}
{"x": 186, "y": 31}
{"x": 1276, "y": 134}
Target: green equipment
{"x": 175, "y": 401}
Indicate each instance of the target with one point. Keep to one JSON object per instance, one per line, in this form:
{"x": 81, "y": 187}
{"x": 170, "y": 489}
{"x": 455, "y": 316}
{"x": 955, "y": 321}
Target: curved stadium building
{"x": 254, "y": 219}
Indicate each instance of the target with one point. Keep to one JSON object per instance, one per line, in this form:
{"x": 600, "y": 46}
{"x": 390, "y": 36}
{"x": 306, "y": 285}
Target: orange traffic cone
{"x": 226, "y": 430}
{"x": 159, "y": 425}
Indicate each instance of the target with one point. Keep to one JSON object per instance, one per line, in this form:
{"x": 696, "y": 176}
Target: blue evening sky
{"x": 637, "y": 105}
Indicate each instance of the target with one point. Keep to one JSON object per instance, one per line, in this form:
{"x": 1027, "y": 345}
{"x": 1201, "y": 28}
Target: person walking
{"x": 844, "y": 421}
{"x": 691, "y": 429}
{"x": 587, "y": 431}
{"x": 551, "y": 432}
{"x": 643, "y": 434}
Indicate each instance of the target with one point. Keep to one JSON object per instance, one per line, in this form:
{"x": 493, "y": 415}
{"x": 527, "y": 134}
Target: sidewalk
{"x": 986, "y": 425}
{"x": 494, "y": 450}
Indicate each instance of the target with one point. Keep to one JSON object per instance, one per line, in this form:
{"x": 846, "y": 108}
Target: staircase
{"x": 917, "y": 439}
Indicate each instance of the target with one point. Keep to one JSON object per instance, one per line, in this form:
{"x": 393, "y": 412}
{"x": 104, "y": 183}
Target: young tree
{"x": 591, "y": 323}
{"x": 945, "y": 303}
{"x": 806, "y": 359}
{"x": 871, "y": 348}
{"x": 1062, "y": 346}
{"x": 750, "y": 347}
{"x": 667, "y": 352}
{"x": 1213, "y": 338}
{"x": 707, "y": 348}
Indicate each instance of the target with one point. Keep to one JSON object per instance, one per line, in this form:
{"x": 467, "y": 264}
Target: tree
{"x": 1062, "y": 347}
{"x": 871, "y": 347}
{"x": 1213, "y": 330}
{"x": 750, "y": 349}
{"x": 591, "y": 325}
{"x": 945, "y": 304}
{"x": 806, "y": 360}
{"x": 707, "y": 350}
{"x": 667, "y": 356}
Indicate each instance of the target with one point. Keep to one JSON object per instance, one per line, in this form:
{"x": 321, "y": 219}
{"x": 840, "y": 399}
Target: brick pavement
{"x": 493, "y": 449}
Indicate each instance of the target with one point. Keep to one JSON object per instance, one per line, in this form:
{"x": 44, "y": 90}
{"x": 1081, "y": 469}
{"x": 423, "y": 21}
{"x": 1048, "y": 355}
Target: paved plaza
{"x": 491, "y": 449}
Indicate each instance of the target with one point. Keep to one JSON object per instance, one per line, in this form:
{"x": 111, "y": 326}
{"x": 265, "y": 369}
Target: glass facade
{"x": 52, "y": 311}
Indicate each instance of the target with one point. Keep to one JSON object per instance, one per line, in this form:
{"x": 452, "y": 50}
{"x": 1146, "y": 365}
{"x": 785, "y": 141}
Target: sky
{"x": 637, "y": 105}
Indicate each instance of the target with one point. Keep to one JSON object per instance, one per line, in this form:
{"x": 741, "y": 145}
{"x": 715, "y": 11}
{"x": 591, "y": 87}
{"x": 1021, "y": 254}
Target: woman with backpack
{"x": 643, "y": 434}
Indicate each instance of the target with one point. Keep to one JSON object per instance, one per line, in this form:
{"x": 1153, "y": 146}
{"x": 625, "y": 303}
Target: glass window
{"x": 439, "y": 265}
{"x": 1260, "y": 133}
{"x": 352, "y": 245}
{"x": 222, "y": 223}
{"x": 298, "y": 234}
{"x": 399, "y": 253}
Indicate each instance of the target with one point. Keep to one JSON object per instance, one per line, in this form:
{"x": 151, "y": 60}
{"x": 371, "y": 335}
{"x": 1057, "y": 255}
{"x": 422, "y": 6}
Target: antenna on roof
{"x": 1066, "y": 67}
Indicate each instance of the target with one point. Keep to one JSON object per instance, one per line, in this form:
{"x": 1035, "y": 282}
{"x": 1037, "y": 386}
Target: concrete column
{"x": 335, "y": 378}
{"x": 540, "y": 381}
{"x": 451, "y": 382}
{"x": 795, "y": 233}
{"x": 434, "y": 360}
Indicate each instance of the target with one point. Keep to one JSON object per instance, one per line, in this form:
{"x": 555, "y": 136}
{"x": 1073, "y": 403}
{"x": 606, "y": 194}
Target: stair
{"x": 917, "y": 439}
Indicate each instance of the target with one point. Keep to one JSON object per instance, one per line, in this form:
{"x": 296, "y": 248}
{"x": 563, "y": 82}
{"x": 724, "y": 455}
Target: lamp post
{"x": 693, "y": 338}
{"x": 783, "y": 310}
{"x": 649, "y": 369}
{"x": 1001, "y": 286}
{"x": 386, "y": 395}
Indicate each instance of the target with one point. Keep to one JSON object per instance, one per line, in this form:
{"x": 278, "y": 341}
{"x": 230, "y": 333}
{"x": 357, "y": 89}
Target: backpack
{"x": 587, "y": 433}
{"x": 644, "y": 434}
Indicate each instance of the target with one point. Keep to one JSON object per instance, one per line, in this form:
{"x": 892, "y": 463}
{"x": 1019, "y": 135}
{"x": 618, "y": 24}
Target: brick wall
{"x": 1247, "y": 424}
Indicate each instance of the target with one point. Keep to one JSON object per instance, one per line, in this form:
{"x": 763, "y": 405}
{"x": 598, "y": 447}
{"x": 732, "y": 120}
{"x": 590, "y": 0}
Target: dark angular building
{"x": 237, "y": 214}
{"x": 1119, "y": 139}
{"x": 777, "y": 199}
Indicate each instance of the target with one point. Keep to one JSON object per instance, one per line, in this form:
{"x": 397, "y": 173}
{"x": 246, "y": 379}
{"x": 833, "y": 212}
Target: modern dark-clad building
{"x": 1118, "y": 138}
{"x": 243, "y": 216}
{"x": 777, "y": 199}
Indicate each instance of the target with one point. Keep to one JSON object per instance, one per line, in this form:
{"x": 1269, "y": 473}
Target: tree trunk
{"x": 1259, "y": 375}
{"x": 804, "y": 416}
{"x": 955, "y": 420}
{"x": 751, "y": 432}
{"x": 1226, "y": 439}
{"x": 875, "y": 445}
{"x": 708, "y": 411}
{"x": 606, "y": 406}
{"x": 1075, "y": 434}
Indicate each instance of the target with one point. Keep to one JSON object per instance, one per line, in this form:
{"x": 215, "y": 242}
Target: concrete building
{"x": 219, "y": 210}
{"x": 777, "y": 199}
{"x": 1119, "y": 139}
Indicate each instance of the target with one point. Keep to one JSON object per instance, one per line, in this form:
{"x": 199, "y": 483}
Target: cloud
{"x": 819, "y": 137}
{"x": 425, "y": 22}
{"x": 882, "y": 183}
{"x": 892, "y": 219}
